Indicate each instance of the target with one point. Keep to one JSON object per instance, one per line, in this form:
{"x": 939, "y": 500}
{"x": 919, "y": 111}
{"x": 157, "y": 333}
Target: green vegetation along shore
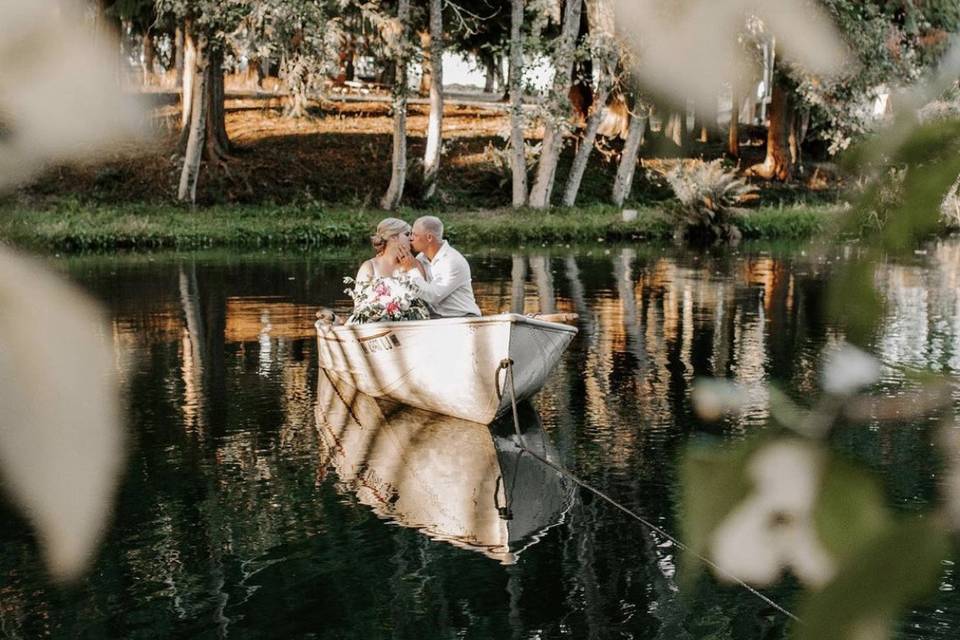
{"x": 69, "y": 226}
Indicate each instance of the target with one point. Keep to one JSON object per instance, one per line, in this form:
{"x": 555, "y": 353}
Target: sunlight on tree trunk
{"x": 197, "y": 132}
{"x": 398, "y": 177}
{"x": 518, "y": 158}
{"x": 426, "y": 66}
{"x": 781, "y": 139}
{"x": 623, "y": 183}
{"x": 148, "y": 58}
{"x": 187, "y": 76}
{"x": 558, "y": 108}
{"x": 178, "y": 57}
{"x": 431, "y": 155}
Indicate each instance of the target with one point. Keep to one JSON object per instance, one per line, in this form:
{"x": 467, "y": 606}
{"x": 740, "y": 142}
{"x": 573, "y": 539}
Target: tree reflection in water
{"x": 231, "y": 523}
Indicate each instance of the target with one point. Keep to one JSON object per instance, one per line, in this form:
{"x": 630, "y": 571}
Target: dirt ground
{"x": 338, "y": 156}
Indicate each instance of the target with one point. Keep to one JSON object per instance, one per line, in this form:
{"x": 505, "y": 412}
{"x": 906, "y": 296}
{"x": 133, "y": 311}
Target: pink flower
{"x": 382, "y": 290}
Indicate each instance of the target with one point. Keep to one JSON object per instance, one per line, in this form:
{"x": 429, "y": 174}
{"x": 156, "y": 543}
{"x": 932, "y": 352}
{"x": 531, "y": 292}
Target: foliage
{"x": 894, "y": 43}
{"x": 501, "y": 157}
{"x": 71, "y": 226}
{"x": 305, "y": 36}
{"x": 789, "y": 502}
{"x": 386, "y": 299}
{"x": 709, "y": 196}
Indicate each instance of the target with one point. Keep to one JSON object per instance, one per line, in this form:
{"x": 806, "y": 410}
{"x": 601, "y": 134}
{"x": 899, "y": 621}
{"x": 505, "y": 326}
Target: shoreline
{"x": 74, "y": 227}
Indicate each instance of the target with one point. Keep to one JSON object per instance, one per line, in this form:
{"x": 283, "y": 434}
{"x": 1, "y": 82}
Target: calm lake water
{"x": 254, "y": 505}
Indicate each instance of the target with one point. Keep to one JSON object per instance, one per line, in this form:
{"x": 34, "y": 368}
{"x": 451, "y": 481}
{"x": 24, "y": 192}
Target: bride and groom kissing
{"x": 415, "y": 274}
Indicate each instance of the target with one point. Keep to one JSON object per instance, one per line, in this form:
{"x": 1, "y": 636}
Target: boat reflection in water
{"x": 458, "y": 481}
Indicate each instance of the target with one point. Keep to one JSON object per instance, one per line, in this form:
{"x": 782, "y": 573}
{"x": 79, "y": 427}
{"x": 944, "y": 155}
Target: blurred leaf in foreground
{"x": 59, "y": 94}
{"x": 60, "y": 438}
{"x": 881, "y": 579}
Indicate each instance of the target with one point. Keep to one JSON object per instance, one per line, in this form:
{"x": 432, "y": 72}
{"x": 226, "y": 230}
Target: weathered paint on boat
{"x": 451, "y": 366}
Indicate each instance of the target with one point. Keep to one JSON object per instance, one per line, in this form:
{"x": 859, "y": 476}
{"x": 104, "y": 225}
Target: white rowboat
{"x": 453, "y": 366}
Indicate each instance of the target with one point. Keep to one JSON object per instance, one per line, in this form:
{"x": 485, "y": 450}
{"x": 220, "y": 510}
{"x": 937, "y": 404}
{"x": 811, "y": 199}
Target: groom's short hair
{"x": 432, "y": 225}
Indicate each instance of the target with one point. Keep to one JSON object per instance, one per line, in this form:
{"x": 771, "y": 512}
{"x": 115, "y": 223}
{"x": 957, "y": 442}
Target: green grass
{"x": 70, "y": 226}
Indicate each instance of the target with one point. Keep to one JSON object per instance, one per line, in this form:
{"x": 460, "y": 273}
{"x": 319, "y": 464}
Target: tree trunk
{"x": 178, "y": 57}
{"x": 559, "y": 108}
{"x": 623, "y": 183}
{"x": 579, "y": 166}
{"x": 426, "y": 66}
{"x": 518, "y": 159}
{"x": 676, "y": 128}
{"x": 197, "y": 132}
{"x": 218, "y": 145}
{"x": 781, "y": 139}
{"x": 733, "y": 131}
{"x": 188, "y": 79}
{"x": 148, "y": 58}
{"x": 398, "y": 177}
{"x": 705, "y": 121}
{"x": 490, "y": 76}
{"x": 431, "y": 155}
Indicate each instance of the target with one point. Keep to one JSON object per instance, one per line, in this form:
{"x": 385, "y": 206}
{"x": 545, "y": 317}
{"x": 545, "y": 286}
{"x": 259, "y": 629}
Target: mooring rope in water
{"x": 507, "y": 364}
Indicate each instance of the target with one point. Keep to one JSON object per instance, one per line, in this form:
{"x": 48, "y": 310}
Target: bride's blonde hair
{"x": 387, "y": 228}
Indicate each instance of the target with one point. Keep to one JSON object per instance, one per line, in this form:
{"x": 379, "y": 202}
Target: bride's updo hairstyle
{"x": 387, "y": 228}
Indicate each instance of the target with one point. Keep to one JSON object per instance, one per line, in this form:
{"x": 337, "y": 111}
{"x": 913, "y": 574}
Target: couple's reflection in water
{"x": 456, "y": 481}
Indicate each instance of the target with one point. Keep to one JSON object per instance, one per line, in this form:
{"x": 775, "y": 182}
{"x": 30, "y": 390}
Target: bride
{"x": 382, "y": 290}
{"x": 391, "y": 235}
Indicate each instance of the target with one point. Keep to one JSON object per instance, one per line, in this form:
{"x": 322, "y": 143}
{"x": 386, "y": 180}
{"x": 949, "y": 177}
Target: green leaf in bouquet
{"x": 850, "y": 510}
{"x": 895, "y": 569}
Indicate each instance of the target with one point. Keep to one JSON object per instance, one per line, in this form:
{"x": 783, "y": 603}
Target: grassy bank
{"x": 69, "y": 226}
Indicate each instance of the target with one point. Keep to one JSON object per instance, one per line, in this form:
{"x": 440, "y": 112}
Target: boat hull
{"x": 452, "y": 366}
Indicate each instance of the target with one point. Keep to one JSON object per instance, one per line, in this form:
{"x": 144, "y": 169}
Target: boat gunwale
{"x": 324, "y": 330}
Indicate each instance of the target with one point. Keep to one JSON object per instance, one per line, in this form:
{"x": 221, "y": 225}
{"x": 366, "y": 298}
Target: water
{"x": 252, "y": 508}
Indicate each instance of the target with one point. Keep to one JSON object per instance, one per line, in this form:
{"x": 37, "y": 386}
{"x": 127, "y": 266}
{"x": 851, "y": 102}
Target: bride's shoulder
{"x": 366, "y": 270}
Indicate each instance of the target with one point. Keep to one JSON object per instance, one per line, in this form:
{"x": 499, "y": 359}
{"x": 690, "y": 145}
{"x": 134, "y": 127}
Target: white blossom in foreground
{"x": 772, "y": 530}
{"x": 59, "y": 95}
{"x": 848, "y": 369}
{"x": 60, "y": 438}
{"x": 688, "y": 50}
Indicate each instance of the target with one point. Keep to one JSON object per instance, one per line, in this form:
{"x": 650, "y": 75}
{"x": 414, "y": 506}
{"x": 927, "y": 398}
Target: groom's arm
{"x": 444, "y": 282}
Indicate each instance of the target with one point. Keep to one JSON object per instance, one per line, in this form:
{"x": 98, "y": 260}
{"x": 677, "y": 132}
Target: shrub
{"x": 708, "y": 197}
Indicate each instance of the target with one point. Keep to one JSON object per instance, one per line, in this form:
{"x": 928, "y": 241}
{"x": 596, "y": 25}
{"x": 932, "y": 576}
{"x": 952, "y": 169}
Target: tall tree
{"x": 558, "y": 107}
{"x": 595, "y": 118}
{"x": 398, "y": 34}
{"x": 207, "y": 26}
{"x": 304, "y": 36}
{"x": 623, "y": 182}
{"x": 518, "y": 156}
{"x": 431, "y": 155}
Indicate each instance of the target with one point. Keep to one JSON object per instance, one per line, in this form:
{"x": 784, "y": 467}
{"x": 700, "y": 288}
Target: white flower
{"x": 773, "y": 529}
{"x": 706, "y": 32}
{"x": 848, "y": 370}
{"x": 61, "y": 441}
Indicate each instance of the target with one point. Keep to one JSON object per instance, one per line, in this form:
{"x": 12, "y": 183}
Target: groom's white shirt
{"x": 449, "y": 291}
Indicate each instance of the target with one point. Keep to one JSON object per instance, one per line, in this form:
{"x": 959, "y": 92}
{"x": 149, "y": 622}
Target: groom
{"x": 449, "y": 292}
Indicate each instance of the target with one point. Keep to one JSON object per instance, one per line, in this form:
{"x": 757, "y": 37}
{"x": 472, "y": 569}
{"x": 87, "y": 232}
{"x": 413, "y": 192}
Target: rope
{"x": 508, "y": 365}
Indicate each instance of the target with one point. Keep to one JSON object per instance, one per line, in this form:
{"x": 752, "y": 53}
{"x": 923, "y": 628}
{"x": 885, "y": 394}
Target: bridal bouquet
{"x": 385, "y": 299}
